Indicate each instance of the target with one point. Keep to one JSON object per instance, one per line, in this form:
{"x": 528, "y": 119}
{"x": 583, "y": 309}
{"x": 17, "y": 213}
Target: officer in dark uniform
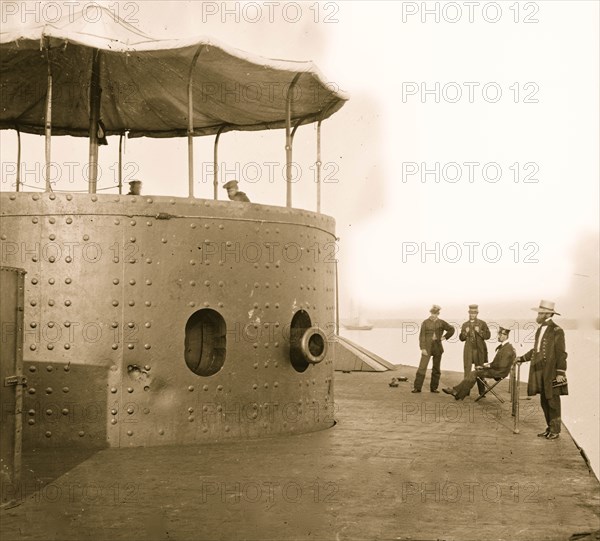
{"x": 498, "y": 368}
{"x": 433, "y": 332}
{"x": 474, "y": 333}
{"x": 233, "y": 192}
{"x": 548, "y": 368}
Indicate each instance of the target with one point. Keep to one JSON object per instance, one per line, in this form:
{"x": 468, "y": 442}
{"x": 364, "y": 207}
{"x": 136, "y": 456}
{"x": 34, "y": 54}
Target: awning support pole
{"x": 18, "y": 160}
{"x": 337, "y": 302}
{"x": 216, "y": 163}
{"x": 95, "y": 92}
{"x": 288, "y": 142}
{"x": 48, "y": 121}
{"x": 120, "y": 164}
{"x": 318, "y": 164}
{"x": 296, "y": 126}
{"x": 190, "y": 131}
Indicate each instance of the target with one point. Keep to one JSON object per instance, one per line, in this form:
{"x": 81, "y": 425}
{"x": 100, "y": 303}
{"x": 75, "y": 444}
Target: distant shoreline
{"x": 565, "y": 323}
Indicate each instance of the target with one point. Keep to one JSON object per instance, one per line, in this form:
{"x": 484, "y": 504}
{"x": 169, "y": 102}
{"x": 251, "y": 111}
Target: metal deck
{"x": 396, "y": 466}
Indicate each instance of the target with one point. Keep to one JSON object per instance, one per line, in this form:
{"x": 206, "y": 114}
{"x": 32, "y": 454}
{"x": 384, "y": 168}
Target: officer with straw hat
{"x": 547, "y": 371}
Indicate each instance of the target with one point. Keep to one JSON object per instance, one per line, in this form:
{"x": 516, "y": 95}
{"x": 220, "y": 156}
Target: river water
{"x": 580, "y": 410}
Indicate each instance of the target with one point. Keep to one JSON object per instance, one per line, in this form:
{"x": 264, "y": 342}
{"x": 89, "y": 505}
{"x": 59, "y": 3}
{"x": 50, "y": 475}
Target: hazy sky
{"x": 499, "y": 102}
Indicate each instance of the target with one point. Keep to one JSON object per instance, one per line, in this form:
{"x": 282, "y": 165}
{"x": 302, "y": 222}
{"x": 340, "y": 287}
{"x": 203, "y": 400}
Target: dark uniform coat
{"x": 431, "y": 329}
{"x": 499, "y": 368}
{"x": 548, "y": 363}
{"x": 240, "y": 196}
{"x": 503, "y": 361}
{"x": 475, "y": 342}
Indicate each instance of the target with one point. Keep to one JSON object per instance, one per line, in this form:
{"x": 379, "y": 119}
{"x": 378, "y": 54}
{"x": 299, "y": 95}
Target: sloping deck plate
{"x": 349, "y": 356}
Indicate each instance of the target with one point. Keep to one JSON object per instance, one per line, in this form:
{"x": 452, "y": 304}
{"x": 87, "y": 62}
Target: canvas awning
{"x": 144, "y": 82}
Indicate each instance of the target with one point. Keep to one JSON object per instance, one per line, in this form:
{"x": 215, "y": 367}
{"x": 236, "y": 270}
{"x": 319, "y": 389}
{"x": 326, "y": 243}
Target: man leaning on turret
{"x": 233, "y": 192}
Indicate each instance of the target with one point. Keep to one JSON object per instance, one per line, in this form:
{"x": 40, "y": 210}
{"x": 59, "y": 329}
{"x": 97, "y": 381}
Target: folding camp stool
{"x": 490, "y": 388}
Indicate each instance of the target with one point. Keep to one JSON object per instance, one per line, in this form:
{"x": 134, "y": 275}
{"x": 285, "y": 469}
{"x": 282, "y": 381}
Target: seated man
{"x": 499, "y": 368}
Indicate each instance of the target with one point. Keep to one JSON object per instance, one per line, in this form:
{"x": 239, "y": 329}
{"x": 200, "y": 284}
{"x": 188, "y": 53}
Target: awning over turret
{"x": 145, "y": 82}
